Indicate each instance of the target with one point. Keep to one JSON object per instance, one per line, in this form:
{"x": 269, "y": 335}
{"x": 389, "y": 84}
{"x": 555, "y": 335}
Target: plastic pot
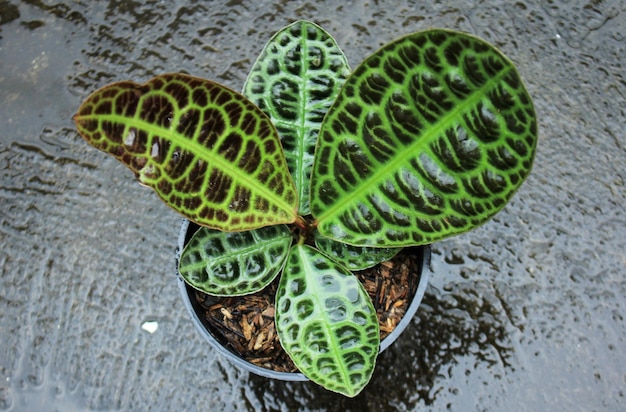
{"x": 193, "y": 307}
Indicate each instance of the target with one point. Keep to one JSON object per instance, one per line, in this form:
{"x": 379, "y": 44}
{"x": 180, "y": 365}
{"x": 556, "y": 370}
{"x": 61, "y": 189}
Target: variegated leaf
{"x": 231, "y": 264}
{"x": 430, "y": 137}
{"x": 206, "y": 150}
{"x": 294, "y": 81}
{"x": 353, "y": 257}
{"x": 326, "y": 322}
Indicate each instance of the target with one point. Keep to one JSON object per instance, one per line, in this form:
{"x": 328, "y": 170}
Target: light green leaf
{"x": 206, "y": 150}
{"x": 294, "y": 81}
{"x": 353, "y": 257}
{"x": 238, "y": 263}
{"x": 326, "y": 322}
{"x": 430, "y": 137}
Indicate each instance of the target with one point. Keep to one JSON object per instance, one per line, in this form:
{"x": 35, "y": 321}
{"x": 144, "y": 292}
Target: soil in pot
{"x": 245, "y": 324}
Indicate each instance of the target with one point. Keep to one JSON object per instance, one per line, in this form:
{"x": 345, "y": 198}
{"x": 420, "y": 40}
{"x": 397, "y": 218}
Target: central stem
{"x": 303, "y": 230}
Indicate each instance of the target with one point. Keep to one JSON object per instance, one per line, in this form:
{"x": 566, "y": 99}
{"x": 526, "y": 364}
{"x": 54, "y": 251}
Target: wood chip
{"x": 247, "y": 329}
{"x": 259, "y": 341}
{"x": 226, "y": 313}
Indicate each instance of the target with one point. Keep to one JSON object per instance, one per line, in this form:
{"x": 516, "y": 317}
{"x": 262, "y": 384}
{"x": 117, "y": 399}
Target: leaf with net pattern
{"x": 294, "y": 81}
{"x": 206, "y": 150}
{"x": 326, "y": 322}
{"x": 233, "y": 264}
{"x": 353, "y": 257}
{"x": 429, "y": 137}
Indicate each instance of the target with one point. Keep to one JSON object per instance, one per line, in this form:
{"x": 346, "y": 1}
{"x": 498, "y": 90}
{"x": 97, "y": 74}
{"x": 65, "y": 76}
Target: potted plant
{"x": 315, "y": 172}
{"x": 241, "y": 328}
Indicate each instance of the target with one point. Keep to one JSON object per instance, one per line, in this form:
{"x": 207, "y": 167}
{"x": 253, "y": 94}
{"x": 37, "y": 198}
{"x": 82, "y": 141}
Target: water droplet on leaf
{"x": 129, "y": 140}
{"x": 155, "y": 150}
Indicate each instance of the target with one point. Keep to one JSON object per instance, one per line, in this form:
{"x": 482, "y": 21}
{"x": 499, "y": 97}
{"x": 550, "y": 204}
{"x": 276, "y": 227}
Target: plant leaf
{"x": 237, "y": 263}
{"x": 206, "y": 150}
{"x": 294, "y": 81}
{"x": 353, "y": 257}
{"x": 326, "y": 322}
{"x": 430, "y": 137}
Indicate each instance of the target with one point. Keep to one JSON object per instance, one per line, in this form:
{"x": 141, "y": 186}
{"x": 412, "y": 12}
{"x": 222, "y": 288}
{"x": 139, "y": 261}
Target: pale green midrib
{"x": 238, "y": 175}
{"x": 309, "y": 268}
{"x": 348, "y": 198}
{"x": 300, "y": 172}
{"x": 305, "y": 125}
{"x": 252, "y": 249}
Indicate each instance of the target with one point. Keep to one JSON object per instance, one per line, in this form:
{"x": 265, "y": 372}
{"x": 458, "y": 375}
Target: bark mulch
{"x": 245, "y": 324}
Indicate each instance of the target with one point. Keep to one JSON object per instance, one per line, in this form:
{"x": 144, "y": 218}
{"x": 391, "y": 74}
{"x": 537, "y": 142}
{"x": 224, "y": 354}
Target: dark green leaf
{"x": 430, "y": 137}
{"x": 353, "y": 257}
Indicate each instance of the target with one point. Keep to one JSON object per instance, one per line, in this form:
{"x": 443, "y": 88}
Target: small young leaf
{"x": 429, "y": 137}
{"x": 206, "y": 150}
{"x": 326, "y": 322}
{"x": 294, "y": 81}
{"x": 353, "y": 257}
{"x": 232, "y": 264}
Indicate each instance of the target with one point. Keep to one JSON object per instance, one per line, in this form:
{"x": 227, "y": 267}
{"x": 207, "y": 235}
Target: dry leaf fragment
{"x": 247, "y": 329}
{"x": 259, "y": 341}
{"x": 226, "y": 313}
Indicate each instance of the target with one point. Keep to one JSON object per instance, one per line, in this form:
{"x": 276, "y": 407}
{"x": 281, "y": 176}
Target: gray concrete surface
{"x": 523, "y": 314}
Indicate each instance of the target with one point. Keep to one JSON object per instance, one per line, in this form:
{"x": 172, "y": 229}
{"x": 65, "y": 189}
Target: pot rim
{"x": 185, "y": 290}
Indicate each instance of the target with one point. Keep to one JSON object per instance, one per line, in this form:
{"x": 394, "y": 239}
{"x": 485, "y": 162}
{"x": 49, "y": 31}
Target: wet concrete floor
{"x": 525, "y": 313}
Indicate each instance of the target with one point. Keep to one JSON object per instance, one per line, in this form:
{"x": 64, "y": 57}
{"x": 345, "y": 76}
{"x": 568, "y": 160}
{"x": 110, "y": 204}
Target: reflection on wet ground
{"x": 524, "y": 313}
